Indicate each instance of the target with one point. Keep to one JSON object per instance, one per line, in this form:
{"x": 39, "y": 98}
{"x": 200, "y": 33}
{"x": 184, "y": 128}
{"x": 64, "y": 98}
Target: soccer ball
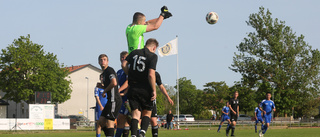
{"x": 212, "y": 17}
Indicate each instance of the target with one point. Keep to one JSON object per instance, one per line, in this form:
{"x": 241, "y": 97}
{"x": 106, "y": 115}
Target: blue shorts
{"x": 98, "y": 114}
{"x": 224, "y": 118}
{"x": 267, "y": 118}
{"x": 259, "y": 119}
{"x": 123, "y": 109}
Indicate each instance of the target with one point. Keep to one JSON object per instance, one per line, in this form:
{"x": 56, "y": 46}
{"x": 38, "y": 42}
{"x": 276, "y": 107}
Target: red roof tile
{"x": 74, "y": 68}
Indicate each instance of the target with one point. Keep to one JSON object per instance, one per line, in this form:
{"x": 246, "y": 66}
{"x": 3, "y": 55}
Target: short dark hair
{"x": 137, "y": 16}
{"x": 102, "y": 55}
{"x": 152, "y": 41}
{"x": 123, "y": 53}
{"x": 268, "y": 93}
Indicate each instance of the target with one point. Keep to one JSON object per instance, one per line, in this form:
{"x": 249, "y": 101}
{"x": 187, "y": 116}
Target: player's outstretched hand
{"x": 164, "y": 9}
{"x": 165, "y": 12}
{"x": 168, "y": 15}
{"x": 170, "y": 101}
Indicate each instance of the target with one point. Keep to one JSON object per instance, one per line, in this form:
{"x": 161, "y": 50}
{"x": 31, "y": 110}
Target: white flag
{"x": 171, "y": 48}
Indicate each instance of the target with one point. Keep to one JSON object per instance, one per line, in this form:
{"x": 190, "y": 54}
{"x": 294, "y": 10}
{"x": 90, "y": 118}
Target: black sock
{"x": 125, "y": 132}
{"x": 232, "y": 130}
{"x": 134, "y": 127}
{"x": 228, "y": 127}
{"x": 155, "y": 131}
{"x": 144, "y": 125}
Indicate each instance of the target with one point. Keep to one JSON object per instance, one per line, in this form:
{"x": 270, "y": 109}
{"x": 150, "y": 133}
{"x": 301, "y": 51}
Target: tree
{"x": 163, "y": 105}
{"x": 274, "y": 54}
{"x": 217, "y": 94}
{"x": 190, "y": 98}
{"x": 26, "y": 68}
{"x": 246, "y": 97}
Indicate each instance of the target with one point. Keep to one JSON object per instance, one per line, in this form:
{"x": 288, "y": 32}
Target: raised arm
{"x": 154, "y": 24}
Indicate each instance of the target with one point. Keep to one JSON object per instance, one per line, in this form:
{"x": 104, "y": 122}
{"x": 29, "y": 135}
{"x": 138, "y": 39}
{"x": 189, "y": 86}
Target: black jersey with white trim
{"x": 109, "y": 74}
{"x": 158, "y": 79}
{"x": 234, "y": 104}
{"x": 141, "y": 60}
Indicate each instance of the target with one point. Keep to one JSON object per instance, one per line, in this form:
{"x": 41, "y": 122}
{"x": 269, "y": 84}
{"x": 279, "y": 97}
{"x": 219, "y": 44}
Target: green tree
{"x": 274, "y": 54}
{"x": 190, "y": 98}
{"x": 27, "y": 68}
{"x": 163, "y": 105}
{"x": 217, "y": 94}
{"x": 246, "y": 97}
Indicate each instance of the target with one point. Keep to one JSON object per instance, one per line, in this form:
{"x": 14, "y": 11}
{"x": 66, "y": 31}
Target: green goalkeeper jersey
{"x": 135, "y": 37}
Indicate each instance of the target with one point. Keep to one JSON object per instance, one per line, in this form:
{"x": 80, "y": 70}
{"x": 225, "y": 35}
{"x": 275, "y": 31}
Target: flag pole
{"x": 178, "y": 85}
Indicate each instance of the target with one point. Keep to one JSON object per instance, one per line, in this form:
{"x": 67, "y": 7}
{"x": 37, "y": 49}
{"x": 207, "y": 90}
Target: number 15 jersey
{"x": 141, "y": 60}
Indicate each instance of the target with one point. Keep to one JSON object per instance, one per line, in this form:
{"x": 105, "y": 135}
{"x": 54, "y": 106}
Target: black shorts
{"x": 154, "y": 110}
{"x": 111, "y": 110}
{"x": 140, "y": 98}
{"x": 233, "y": 117}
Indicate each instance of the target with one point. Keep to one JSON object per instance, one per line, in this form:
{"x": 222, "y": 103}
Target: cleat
{"x": 218, "y": 131}
{"x": 260, "y": 133}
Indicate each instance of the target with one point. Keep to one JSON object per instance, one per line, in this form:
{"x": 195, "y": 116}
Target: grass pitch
{"x": 200, "y": 132}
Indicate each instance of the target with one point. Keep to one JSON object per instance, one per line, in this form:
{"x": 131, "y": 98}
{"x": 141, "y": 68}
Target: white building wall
{"x": 77, "y": 104}
{"x": 22, "y": 108}
{"x": 3, "y": 111}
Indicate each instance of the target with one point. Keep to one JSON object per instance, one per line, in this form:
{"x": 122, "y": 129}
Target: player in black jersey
{"x": 234, "y": 113}
{"x": 154, "y": 115}
{"x": 141, "y": 80}
{"x": 111, "y": 109}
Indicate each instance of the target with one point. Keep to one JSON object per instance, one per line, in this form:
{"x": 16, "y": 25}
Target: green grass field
{"x": 202, "y": 132}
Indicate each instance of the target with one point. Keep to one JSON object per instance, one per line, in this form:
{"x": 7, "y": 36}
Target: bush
{"x": 204, "y": 115}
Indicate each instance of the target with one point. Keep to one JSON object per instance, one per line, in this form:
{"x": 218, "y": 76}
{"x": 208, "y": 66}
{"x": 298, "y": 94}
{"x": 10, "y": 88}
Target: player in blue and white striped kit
{"x": 266, "y": 106}
{"x": 225, "y": 116}
{"x": 258, "y": 117}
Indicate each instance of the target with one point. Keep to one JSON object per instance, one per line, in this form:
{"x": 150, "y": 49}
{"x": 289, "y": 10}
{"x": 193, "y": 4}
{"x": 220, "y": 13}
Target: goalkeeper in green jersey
{"x": 134, "y": 31}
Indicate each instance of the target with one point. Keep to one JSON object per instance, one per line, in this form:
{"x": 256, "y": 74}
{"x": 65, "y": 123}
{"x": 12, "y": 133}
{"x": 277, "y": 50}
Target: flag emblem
{"x": 165, "y": 50}
{"x": 171, "y": 48}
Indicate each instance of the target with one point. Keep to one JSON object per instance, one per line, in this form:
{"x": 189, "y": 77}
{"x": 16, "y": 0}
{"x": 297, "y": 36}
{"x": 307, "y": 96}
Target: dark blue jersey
{"x": 122, "y": 77}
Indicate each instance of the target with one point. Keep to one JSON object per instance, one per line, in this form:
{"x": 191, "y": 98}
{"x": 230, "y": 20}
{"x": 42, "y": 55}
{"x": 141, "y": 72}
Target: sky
{"x": 78, "y": 31}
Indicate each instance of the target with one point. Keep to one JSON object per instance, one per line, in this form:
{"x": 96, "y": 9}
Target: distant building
{"x": 84, "y": 79}
{"x": 3, "y": 109}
